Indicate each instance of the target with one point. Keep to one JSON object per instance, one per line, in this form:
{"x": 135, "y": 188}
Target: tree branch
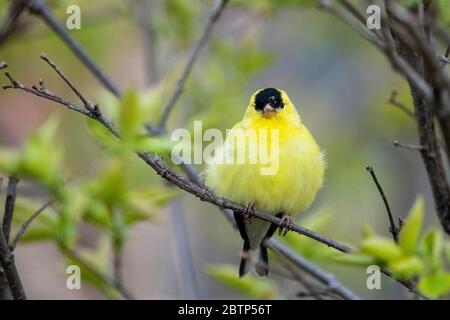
{"x": 393, "y": 228}
{"x": 9, "y": 206}
{"x": 15, "y": 10}
{"x": 9, "y": 267}
{"x": 396, "y": 103}
{"x": 23, "y": 228}
{"x": 414, "y": 58}
{"x": 187, "y": 69}
{"x": 328, "y": 279}
{"x": 5, "y": 292}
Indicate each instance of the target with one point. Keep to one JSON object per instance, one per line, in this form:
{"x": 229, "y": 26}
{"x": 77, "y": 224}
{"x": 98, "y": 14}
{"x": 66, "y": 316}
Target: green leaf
{"x": 130, "y": 116}
{"x": 40, "y": 158}
{"x": 435, "y": 285}
{"x": 252, "y": 286}
{"x": 406, "y": 268}
{"x": 411, "y": 229}
{"x": 356, "y": 259}
{"x": 431, "y": 248}
{"x": 311, "y": 249}
{"x": 381, "y": 248}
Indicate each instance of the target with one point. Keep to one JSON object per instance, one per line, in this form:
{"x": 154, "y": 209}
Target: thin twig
{"x": 23, "y": 228}
{"x": 409, "y": 146}
{"x": 15, "y": 10}
{"x": 328, "y": 279}
{"x": 9, "y": 206}
{"x": 393, "y": 228}
{"x": 192, "y": 59}
{"x": 40, "y": 8}
{"x": 394, "y": 102}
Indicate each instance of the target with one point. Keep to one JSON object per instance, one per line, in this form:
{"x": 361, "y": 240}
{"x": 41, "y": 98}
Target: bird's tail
{"x": 254, "y": 260}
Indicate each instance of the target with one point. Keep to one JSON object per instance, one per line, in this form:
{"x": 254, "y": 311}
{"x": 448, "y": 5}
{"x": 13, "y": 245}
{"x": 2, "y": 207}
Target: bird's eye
{"x": 273, "y": 101}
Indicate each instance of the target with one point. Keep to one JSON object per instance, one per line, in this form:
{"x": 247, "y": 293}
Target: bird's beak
{"x": 268, "y": 111}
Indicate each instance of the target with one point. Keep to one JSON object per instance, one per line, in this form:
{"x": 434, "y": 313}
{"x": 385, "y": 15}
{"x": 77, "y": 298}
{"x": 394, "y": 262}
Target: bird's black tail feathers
{"x": 256, "y": 260}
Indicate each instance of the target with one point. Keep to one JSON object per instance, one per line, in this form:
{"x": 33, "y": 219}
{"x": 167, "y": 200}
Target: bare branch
{"x": 328, "y": 279}
{"x": 15, "y": 10}
{"x": 9, "y": 267}
{"x": 393, "y": 228}
{"x": 23, "y": 228}
{"x": 395, "y": 102}
{"x": 193, "y": 58}
{"x": 408, "y": 146}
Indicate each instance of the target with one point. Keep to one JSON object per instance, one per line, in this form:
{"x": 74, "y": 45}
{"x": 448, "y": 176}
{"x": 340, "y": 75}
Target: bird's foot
{"x": 285, "y": 225}
{"x": 249, "y": 212}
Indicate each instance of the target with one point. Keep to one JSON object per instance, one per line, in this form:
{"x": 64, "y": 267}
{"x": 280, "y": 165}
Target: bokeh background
{"x": 338, "y": 82}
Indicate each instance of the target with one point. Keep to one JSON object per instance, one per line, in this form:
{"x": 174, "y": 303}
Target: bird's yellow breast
{"x": 291, "y": 188}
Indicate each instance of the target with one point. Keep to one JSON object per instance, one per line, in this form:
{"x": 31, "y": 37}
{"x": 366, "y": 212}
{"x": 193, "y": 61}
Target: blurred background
{"x": 338, "y": 82}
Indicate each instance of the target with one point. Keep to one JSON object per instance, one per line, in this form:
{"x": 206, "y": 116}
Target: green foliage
{"x": 317, "y": 221}
{"x": 251, "y": 286}
{"x": 39, "y": 160}
{"x": 435, "y": 285}
{"x": 112, "y": 199}
{"x": 443, "y": 7}
{"x": 131, "y": 113}
{"x": 411, "y": 229}
{"x": 411, "y": 257}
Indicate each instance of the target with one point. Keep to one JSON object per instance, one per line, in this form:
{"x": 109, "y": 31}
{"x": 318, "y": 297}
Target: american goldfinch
{"x": 271, "y": 126}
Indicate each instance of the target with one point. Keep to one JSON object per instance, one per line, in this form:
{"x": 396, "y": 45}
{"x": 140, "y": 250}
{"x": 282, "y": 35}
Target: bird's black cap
{"x": 270, "y": 96}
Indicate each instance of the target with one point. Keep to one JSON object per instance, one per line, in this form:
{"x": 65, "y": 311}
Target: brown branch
{"x": 409, "y": 146}
{"x": 419, "y": 54}
{"x": 9, "y": 267}
{"x": 193, "y": 58}
{"x": 415, "y": 59}
{"x": 15, "y": 10}
{"x": 396, "y": 103}
{"x": 5, "y": 292}
{"x": 393, "y": 228}
{"x": 23, "y": 228}
{"x": 9, "y": 206}
{"x": 327, "y": 279}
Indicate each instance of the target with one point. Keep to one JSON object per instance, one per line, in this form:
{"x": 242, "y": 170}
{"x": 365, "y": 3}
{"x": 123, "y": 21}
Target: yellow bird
{"x": 284, "y": 179}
